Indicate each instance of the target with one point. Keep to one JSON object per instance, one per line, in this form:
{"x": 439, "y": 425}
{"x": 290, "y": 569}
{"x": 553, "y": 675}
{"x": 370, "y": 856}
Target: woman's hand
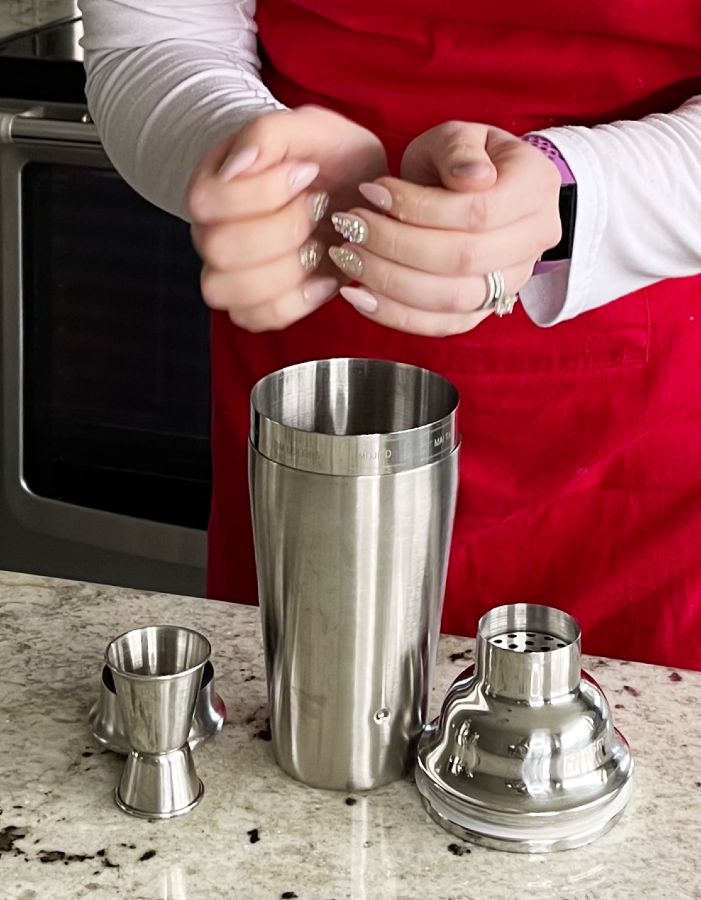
{"x": 256, "y": 203}
{"x": 472, "y": 199}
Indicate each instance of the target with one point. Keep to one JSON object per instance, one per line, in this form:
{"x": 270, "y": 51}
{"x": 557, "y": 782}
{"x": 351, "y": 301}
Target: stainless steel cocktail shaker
{"x": 353, "y": 479}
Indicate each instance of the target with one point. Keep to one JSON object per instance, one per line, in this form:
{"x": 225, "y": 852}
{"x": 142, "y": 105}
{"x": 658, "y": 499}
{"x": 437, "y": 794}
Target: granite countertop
{"x": 259, "y": 834}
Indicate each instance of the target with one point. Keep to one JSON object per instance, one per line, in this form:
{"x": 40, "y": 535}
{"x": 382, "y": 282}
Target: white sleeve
{"x": 166, "y": 80}
{"x": 638, "y": 211}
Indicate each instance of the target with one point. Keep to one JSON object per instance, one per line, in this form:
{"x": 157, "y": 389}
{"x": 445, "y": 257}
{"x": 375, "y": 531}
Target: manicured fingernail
{"x": 360, "y": 299}
{"x": 319, "y": 203}
{"x": 353, "y": 228}
{"x": 310, "y": 254}
{"x": 347, "y": 261}
{"x": 301, "y": 176}
{"x": 471, "y": 170}
{"x": 376, "y": 194}
{"x": 238, "y": 162}
{"x": 320, "y": 289}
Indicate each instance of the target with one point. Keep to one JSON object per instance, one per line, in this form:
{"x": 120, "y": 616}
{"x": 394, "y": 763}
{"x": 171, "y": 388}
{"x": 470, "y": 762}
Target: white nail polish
{"x": 362, "y": 300}
{"x": 237, "y": 162}
{"x": 320, "y": 289}
{"x": 376, "y": 194}
{"x": 301, "y": 176}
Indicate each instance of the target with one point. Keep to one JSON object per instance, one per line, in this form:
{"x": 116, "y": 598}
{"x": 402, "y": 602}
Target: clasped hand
{"x": 471, "y": 199}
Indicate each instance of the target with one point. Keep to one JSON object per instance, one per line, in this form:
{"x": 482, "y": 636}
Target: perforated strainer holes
{"x": 528, "y": 641}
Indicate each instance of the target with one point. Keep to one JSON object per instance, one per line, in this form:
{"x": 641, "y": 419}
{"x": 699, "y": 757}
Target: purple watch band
{"x": 550, "y": 150}
{"x": 566, "y": 177}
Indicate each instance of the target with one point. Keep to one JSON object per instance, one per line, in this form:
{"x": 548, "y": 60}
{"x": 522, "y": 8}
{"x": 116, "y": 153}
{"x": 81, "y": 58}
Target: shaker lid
{"x": 524, "y": 755}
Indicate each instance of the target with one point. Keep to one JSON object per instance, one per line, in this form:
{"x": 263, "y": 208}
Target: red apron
{"x": 581, "y": 462}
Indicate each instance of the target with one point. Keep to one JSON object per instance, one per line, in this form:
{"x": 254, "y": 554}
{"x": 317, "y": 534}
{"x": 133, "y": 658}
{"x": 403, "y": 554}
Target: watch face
{"x": 568, "y": 214}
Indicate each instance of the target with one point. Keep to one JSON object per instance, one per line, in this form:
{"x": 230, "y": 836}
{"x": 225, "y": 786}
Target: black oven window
{"x": 116, "y": 350}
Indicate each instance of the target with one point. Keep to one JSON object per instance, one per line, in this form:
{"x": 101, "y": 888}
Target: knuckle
{"x": 210, "y": 288}
{"x": 298, "y": 227}
{"x": 259, "y": 128}
{"x": 419, "y": 206}
{"x": 275, "y": 322}
{"x": 522, "y": 276}
{"x": 444, "y": 327}
{"x": 256, "y": 326}
{"x": 553, "y": 179}
{"x": 196, "y": 201}
{"x": 196, "y": 237}
{"x": 406, "y": 320}
{"x": 453, "y": 131}
{"x": 550, "y": 234}
{"x": 468, "y": 256}
{"x": 214, "y": 248}
{"x": 478, "y": 212}
{"x": 392, "y": 244}
{"x": 458, "y": 298}
{"x": 279, "y": 315}
{"x": 248, "y": 322}
{"x": 555, "y": 235}
{"x": 382, "y": 280}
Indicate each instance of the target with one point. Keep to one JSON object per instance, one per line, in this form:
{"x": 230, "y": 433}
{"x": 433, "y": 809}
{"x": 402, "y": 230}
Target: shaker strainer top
{"x": 528, "y": 641}
{"x": 529, "y": 652}
{"x": 524, "y": 755}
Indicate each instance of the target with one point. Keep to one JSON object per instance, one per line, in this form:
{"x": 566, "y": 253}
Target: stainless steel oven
{"x": 104, "y": 422}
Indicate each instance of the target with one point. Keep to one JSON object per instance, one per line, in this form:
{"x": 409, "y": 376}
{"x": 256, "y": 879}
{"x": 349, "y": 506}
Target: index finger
{"x": 212, "y": 200}
{"x": 521, "y": 182}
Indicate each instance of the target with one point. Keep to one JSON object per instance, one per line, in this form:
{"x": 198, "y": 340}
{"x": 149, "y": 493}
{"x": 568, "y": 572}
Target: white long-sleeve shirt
{"x": 174, "y": 77}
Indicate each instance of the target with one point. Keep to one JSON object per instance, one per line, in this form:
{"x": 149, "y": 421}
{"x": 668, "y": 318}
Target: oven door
{"x": 105, "y": 367}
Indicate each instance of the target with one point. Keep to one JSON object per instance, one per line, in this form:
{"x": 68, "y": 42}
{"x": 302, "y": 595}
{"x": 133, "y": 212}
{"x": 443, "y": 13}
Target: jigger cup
{"x": 157, "y": 672}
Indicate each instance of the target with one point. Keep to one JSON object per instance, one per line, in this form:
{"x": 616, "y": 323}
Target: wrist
{"x": 559, "y": 254}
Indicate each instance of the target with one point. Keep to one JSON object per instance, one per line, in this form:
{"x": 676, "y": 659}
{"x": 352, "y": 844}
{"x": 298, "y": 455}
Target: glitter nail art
{"x": 310, "y": 255}
{"x": 352, "y": 228}
{"x": 347, "y": 261}
{"x": 320, "y": 203}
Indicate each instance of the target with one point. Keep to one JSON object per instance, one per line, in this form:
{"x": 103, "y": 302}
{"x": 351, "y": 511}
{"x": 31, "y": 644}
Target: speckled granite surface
{"x": 258, "y": 834}
{"x": 18, "y": 16}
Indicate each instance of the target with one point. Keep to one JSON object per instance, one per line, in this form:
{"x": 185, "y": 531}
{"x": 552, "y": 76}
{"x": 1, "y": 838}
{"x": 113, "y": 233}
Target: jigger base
{"x": 159, "y": 786}
{"x": 141, "y": 814}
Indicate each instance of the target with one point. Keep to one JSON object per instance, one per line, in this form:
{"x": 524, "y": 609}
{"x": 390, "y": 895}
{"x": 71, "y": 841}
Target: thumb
{"x": 453, "y": 155}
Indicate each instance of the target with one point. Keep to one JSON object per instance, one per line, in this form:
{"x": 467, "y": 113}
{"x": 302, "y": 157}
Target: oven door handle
{"x": 39, "y": 128}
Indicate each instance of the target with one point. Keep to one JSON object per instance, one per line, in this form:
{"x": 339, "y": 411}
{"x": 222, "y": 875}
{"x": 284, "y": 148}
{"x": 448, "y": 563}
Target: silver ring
{"x": 497, "y": 298}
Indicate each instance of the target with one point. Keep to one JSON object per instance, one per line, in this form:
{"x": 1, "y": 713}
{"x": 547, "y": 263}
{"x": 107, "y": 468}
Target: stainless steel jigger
{"x": 157, "y": 672}
{"x": 105, "y": 720}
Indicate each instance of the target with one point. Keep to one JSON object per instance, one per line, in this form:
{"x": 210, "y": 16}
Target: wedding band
{"x": 495, "y": 289}
{"x": 497, "y": 299}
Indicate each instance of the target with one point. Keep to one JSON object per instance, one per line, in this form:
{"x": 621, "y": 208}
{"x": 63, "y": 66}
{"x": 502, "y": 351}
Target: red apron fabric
{"x": 581, "y": 463}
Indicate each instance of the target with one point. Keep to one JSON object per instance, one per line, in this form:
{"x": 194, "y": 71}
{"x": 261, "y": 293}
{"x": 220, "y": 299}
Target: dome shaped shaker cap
{"x": 524, "y": 755}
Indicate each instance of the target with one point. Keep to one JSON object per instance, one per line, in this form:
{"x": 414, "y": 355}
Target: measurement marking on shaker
{"x": 375, "y": 454}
